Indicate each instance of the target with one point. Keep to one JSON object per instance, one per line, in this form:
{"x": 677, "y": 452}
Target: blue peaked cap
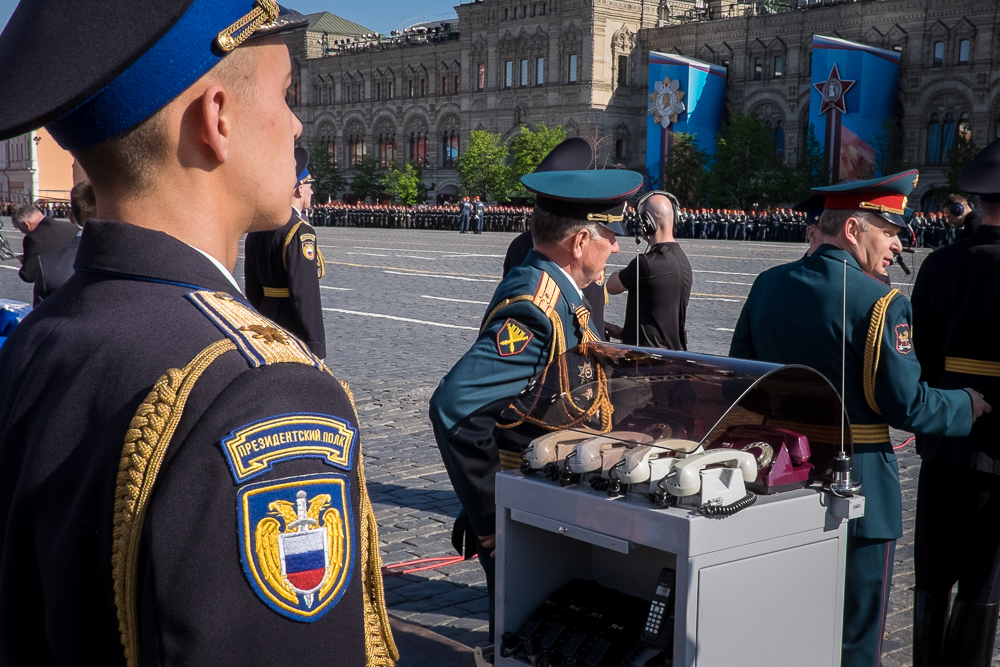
{"x": 118, "y": 61}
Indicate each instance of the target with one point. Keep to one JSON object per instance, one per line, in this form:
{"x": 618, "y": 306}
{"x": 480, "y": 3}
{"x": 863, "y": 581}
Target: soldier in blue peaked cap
{"x": 537, "y": 312}
{"x": 793, "y": 315}
{"x": 181, "y": 479}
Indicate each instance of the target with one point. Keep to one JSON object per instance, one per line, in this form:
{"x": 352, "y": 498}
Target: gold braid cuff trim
{"x": 509, "y": 460}
{"x": 277, "y": 292}
{"x": 873, "y": 347}
{"x": 146, "y": 443}
{"x": 972, "y": 366}
{"x": 288, "y": 241}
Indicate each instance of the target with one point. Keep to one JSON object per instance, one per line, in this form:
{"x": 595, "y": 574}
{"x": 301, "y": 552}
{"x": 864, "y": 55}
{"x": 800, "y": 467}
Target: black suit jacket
{"x": 54, "y": 269}
{"x": 46, "y": 237}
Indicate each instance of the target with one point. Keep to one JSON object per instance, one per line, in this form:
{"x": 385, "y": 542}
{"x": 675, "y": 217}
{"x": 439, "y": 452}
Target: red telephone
{"x": 782, "y": 456}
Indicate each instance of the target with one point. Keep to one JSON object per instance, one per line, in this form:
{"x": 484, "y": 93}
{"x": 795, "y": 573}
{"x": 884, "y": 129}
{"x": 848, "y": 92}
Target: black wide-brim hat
{"x": 982, "y": 175}
{"x": 89, "y": 70}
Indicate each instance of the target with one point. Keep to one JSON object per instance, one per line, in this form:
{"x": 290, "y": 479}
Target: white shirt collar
{"x": 221, "y": 268}
{"x": 579, "y": 292}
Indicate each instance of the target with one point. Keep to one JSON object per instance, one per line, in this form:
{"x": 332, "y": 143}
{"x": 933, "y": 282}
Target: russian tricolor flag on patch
{"x": 305, "y": 559}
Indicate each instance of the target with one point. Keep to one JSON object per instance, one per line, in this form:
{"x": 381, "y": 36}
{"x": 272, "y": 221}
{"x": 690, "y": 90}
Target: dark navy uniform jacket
{"x": 281, "y": 274}
{"x": 118, "y": 395}
{"x": 514, "y": 344}
{"x": 956, "y": 308}
{"x": 793, "y": 316}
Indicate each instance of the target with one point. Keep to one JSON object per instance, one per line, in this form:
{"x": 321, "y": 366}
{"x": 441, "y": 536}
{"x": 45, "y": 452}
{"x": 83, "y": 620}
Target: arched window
{"x": 386, "y": 149}
{"x": 938, "y": 55}
{"x": 947, "y": 135}
{"x": 934, "y": 139}
{"x": 758, "y": 68}
{"x": 779, "y": 137}
{"x": 355, "y": 149}
{"x": 418, "y": 148}
{"x": 449, "y": 149}
{"x": 964, "y": 126}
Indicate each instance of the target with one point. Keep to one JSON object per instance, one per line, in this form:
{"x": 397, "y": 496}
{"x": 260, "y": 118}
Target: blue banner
{"x": 685, "y": 95}
{"x": 853, "y": 93}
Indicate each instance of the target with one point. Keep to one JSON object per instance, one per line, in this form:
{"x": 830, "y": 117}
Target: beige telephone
{"x": 684, "y": 479}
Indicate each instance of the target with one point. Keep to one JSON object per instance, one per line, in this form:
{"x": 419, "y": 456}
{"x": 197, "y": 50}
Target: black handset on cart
{"x": 659, "y": 629}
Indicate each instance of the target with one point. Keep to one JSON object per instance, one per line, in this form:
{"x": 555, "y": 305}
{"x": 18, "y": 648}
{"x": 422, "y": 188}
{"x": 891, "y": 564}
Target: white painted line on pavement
{"x": 415, "y": 257}
{"x": 12, "y": 268}
{"x": 435, "y": 275}
{"x": 400, "y": 319}
{"x": 710, "y": 298}
{"x": 723, "y": 329}
{"x": 727, "y": 282}
{"x": 340, "y": 289}
{"x": 456, "y": 253}
{"x": 726, "y": 273}
{"x": 369, "y": 254}
{"x": 444, "y": 298}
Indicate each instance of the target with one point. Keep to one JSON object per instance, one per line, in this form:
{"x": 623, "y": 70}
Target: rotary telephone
{"x": 782, "y": 456}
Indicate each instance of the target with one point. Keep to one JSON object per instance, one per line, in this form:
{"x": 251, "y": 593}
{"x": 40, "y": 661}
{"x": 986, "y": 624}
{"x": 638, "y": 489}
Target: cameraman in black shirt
{"x": 664, "y": 280}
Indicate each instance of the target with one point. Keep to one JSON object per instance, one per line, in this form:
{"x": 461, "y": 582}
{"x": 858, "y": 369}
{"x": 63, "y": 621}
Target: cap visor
{"x": 614, "y": 227}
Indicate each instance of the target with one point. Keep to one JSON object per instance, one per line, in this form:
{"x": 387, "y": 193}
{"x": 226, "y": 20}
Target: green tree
{"x": 959, "y": 156}
{"x": 747, "y": 169}
{"x": 684, "y": 170}
{"x": 810, "y": 171}
{"x": 888, "y": 146}
{"x": 367, "y": 182}
{"x": 330, "y": 181}
{"x": 404, "y": 183}
{"x": 528, "y": 149}
{"x": 482, "y": 168}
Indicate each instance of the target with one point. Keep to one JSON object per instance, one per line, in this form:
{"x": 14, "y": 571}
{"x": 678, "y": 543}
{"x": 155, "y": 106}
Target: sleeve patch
{"x": 297, "y": 543}
{"x": 309, "y": 249}
{"x": 904, "y": 343}
{"x": 253, "y": 449}
{"x": 512, "y": 338}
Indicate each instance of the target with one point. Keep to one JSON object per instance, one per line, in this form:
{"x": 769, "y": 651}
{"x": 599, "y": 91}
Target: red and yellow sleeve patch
{"x": 512, "y": 338}
{"x": 904, "y": 343}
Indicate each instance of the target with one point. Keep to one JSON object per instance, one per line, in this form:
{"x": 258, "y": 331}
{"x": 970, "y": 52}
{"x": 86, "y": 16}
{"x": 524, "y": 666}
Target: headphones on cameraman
{"x": 645, "y": 225}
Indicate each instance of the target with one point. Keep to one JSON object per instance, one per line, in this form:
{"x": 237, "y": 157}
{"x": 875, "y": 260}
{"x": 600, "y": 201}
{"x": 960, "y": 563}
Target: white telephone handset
{"x": 553, "y": 447}
{"x": 684, "y": 479}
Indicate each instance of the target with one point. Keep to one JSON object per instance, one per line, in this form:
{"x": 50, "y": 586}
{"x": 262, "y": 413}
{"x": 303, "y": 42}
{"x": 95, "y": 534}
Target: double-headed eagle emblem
{"x": 666, "y": 102}
{"x": 300, "y": 547}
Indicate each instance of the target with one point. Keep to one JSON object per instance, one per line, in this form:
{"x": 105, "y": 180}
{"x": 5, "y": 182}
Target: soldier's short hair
{"x": 22, "y": 212}
{"x": 832, "y": 220}
{"x": 550, "y": 229}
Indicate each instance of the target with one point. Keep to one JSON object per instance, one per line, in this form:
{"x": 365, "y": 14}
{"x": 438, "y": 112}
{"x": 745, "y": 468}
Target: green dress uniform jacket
{"x": 536, "y": 313}
{"x": 793, "y": 316}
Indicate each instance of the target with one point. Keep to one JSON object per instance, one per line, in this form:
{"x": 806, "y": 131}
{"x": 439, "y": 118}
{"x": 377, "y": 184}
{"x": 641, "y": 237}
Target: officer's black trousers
{"x": 957, "y": 537}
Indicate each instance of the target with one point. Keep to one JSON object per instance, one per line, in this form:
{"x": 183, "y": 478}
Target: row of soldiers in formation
{"x": 931, "y": 230}
{"x": 51, "y": 209}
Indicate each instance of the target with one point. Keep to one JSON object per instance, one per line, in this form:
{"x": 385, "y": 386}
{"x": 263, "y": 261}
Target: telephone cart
{"x": 673, "y": 509}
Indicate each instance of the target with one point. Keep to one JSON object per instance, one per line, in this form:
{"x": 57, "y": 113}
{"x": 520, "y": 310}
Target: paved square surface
{"x": 402, "y": 306}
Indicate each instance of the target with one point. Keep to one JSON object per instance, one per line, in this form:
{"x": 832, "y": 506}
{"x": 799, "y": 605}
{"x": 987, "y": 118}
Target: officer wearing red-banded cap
{"x": 795, "y": 315}
{"x": 956, "y": 308}
{"x": 181, "y": 480}
{"x": 283, "y": 268}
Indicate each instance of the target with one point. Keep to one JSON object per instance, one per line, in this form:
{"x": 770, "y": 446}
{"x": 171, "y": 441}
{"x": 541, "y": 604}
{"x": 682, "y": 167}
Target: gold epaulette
{"x": 873, "y": 347}
{"x": 259, "y": 339}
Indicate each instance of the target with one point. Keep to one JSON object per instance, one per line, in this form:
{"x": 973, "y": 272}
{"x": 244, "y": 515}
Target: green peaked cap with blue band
{"x": 593, "y": 196}
{"x": 90, "y": 70}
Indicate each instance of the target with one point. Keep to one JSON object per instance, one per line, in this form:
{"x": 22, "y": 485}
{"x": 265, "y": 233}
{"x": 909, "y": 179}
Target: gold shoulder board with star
{"x": 259, "y": 339}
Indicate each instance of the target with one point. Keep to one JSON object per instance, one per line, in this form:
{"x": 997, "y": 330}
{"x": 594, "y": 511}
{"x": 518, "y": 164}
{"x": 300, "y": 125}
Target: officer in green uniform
{"x": 793, "y": 315}
{"x": 537, "y": 312}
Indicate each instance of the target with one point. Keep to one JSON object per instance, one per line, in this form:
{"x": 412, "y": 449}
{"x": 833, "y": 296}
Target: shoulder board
{"x": 547, "y": 294}
{"x": 258, "y": 339}
{"x": 288, "y": 239}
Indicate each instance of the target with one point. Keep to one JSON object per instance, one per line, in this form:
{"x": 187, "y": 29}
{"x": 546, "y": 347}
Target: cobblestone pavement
{"x": 402, "y": 307}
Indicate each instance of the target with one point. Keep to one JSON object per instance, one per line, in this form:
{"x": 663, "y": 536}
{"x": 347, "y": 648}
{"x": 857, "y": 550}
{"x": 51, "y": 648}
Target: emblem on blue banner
{"x": 251, "y": 450}
{"x": 296, "y": 541}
